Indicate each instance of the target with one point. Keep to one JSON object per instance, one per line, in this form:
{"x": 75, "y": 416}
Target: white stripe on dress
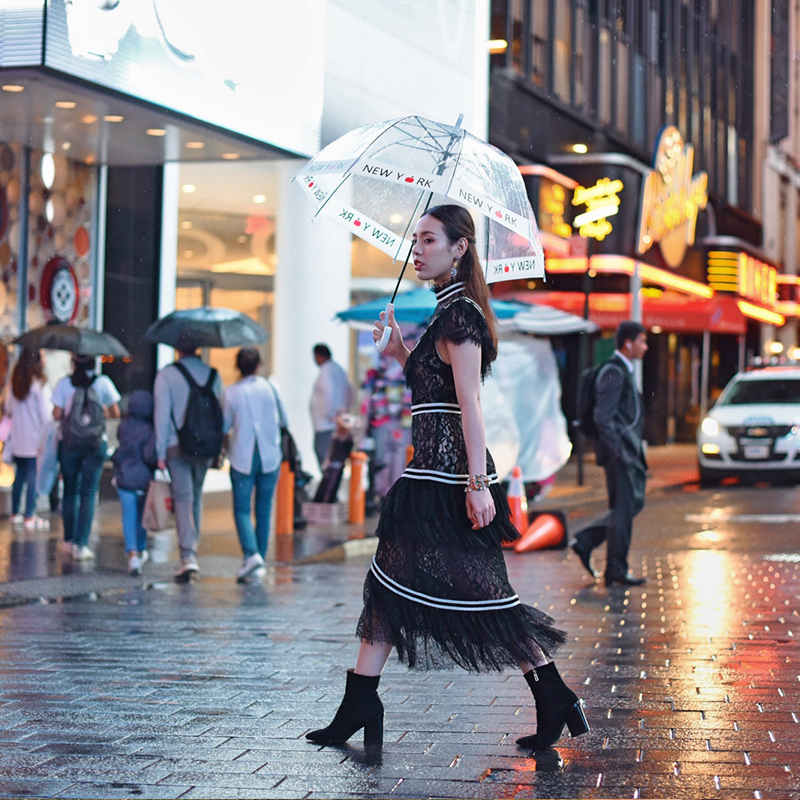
{"x": 441, "y": 602}
{"x": 439, "y": 476}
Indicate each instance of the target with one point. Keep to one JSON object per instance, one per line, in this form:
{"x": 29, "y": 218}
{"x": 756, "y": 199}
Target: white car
{"x": 753, "y": 430}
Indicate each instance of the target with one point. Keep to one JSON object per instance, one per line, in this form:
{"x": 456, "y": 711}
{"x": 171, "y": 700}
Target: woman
{"x": 82, "y": 457}
{"x": 29, "y": 409}
{"x": 437, "y": 589}
{"x": 253, "y": 415}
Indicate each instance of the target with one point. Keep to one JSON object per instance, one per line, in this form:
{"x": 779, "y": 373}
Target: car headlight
{"x": 710, "y": 427}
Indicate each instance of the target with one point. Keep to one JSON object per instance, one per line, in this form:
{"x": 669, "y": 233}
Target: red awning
{"x": 671, "y": 311}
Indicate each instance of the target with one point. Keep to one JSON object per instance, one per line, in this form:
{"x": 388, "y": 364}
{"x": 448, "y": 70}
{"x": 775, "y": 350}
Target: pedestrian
{"x": 82, "y": 401}
{"x": 187, "y": 472}
{"x": 437, "y": 589}
{"x": 30, "y": 411}
{"x": 619, "y": 419}
{"x": 253, "y": 415}
{"x": 332, "y": 395}
{"x": 134, "y": 465}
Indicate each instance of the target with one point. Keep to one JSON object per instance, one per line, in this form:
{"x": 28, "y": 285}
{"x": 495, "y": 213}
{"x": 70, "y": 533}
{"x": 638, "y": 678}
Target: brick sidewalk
{"x": 690, "y": 683}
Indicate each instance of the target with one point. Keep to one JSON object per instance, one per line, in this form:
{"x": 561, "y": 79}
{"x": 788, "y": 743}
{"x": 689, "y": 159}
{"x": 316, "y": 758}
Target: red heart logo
{"x": 357, "y": 223}
{"x": 409, "y": 180}
{"x": 498, "y": 215}
{"x": 310, "y": 184}
{"x": 506, "y": 268}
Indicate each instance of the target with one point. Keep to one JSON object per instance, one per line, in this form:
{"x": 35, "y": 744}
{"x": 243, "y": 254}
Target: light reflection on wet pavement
{"x": 691, "y": 682}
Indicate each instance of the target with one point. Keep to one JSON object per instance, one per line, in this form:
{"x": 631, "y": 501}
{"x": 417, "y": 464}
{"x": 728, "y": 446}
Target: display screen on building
{"x": 248, "y": 66}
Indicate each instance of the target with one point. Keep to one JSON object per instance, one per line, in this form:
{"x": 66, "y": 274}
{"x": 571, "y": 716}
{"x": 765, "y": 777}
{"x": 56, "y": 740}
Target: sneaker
{"x": 144, "y": 557}
{"x": 65, "y": 547}
{"x": 188, "y": 570}
{"x": 134, "y": 565}
{"x": 80, "y": 552}
{"x": 36, "y": 524}
{"x": 251, "y": 564}
{"x": 16, "y": 519}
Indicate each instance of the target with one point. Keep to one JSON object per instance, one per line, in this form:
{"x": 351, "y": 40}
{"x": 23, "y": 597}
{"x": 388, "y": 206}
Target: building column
{"x": 168, "y": 251}
{"x": 312, "y": 283}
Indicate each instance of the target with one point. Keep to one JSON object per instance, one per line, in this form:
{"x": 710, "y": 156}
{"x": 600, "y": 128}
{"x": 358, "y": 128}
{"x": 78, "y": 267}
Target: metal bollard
{"x": 284, "y": 501}
{"x": 358, "y": 499}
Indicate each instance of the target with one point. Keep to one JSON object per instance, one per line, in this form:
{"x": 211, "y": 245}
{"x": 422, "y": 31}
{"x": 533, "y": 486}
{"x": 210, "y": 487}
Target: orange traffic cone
{"x": 517, "y": 501}
{"x": 546, "y": 530}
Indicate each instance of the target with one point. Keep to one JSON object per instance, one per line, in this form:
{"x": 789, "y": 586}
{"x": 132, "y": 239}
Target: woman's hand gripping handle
{"x": 387, "y": 337}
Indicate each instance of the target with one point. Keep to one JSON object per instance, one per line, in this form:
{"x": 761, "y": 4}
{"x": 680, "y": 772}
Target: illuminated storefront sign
{"x": 671, "y": 199}
{"x": 552, "y": 209}
{"x": 601, "y": 201}
{"x": 742, "y": 274}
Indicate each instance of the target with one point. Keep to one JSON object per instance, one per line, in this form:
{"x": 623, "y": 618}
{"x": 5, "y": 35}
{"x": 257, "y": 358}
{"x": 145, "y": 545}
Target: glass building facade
{"x": 625, "y": 68}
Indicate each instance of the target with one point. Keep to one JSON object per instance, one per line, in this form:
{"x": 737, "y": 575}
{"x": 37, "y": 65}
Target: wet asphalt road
{"x": 691, "y": 682}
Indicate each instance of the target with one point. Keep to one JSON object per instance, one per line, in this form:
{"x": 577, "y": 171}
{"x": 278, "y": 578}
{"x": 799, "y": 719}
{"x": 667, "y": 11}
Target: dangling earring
{"x": 454, "y": 268}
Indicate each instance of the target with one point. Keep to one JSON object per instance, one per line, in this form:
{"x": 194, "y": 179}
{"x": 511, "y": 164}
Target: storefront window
{"x": 10, "y": 189}
{"x": 61, "y": 241}
{"x": 226, "y": 245}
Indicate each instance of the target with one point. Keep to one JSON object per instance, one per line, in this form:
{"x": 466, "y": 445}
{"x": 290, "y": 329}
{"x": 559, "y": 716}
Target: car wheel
{"x": 707, "y": 480}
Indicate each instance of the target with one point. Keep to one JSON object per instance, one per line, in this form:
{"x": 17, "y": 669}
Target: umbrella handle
{"x": 380, "y": 346}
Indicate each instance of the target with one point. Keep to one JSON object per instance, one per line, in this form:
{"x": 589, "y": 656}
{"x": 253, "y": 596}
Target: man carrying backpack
{"x": 188, "y": 423}
{"x": 618, "y": 418}
{"x": 82, "y": 401}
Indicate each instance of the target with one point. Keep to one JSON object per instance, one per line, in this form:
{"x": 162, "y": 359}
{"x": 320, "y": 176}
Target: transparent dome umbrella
{"x": 378, "y": 180}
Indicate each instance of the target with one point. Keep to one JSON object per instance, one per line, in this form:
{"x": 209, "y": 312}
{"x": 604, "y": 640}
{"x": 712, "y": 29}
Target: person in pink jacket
{"x": 29, "y": 409}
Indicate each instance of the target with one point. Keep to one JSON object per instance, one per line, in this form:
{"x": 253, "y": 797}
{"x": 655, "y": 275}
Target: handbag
{"x": 288, "y": 446}
{"x": 157, "y": 514}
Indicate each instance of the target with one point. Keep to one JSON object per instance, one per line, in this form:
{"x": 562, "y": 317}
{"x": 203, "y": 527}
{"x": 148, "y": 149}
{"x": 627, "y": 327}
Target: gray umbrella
{"x": 75, "y": 340}
{"x": 206, "y": 327}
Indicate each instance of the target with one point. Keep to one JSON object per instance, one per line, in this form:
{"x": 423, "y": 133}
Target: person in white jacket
{"x": 252, "y": 416}
{"x": 29, "y": 408}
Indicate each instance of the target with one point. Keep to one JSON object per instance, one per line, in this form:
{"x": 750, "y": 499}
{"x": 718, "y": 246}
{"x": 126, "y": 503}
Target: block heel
{"x": 576, "y": 720}
{"x": 373, "y": 732}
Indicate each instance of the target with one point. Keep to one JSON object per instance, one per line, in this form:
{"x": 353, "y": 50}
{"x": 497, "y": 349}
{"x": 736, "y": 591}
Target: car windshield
{"x": 769, "y": 391}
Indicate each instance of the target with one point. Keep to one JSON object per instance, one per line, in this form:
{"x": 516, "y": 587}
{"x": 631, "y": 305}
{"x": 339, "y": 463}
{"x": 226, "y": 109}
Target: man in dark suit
{"x": 619, "y": 419}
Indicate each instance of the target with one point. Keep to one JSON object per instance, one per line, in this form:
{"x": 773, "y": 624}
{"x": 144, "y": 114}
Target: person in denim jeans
{"x": 134, "y": 464}
{"x": 29, "y": 408}
{"x": 253, "y": 414}
{"x": 81, "y": 467}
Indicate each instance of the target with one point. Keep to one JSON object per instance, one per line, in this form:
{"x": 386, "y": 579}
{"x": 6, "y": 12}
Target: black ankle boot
{"x": 361, "y": 708}
{"x": 556, "y": 706}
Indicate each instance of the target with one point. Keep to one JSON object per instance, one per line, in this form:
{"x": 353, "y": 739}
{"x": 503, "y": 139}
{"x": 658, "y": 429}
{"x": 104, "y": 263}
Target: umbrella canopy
{"x": 544, "y": 321}
{"x": 378, "y": 180}
{"x": 416, "y": 307}
{"x": 75, "y": 340}
{"x": 206, "y": 327}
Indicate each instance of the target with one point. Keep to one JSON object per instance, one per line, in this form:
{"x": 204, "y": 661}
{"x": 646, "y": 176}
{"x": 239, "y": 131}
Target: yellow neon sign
{"x": 601, "y": 201}
{"x": 671, "y": 199}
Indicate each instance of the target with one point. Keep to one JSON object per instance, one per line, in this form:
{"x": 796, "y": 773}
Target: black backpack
{"x": 587, "y": 400}
{"x": 200, "y": 436}
{"x": 85, "y": 425}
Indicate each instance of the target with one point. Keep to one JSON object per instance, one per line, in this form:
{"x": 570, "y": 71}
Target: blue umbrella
{"x": 416, "y": 308}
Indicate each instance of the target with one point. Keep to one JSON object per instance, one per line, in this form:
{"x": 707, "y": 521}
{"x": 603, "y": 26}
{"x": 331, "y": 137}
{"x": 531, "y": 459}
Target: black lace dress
{"x": 437, "y": 589}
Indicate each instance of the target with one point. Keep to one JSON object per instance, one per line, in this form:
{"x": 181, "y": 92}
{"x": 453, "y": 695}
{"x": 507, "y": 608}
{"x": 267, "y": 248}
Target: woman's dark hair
{"x": 247, "y": 361}
{"x": 82, "y": 366}
{"x": 458, "y": 224}
{"x": 27, "y": 368}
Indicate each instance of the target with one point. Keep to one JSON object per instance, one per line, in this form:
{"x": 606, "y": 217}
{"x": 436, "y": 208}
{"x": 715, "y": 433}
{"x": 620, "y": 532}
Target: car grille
{"x": 759, "y": 431}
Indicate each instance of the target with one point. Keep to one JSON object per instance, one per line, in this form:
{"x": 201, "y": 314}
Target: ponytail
{"x": 458, "y": 224}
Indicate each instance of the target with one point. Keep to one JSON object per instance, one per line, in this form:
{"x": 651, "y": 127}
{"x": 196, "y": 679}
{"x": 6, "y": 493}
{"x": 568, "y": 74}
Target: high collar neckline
{"x": 449, "y": 290}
